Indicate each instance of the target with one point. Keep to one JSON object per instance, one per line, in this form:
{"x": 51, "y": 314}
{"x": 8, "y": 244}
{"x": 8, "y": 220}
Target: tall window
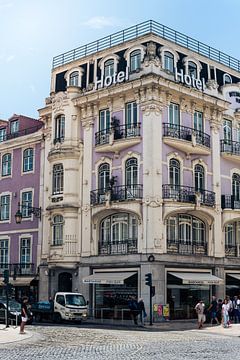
{"x": 3, "y": 134}
{"x": 109, "y": 68}
{"x": 174, "y": 115}
{"x": 186, "y": 229}
{"x": 131, "y": 114}
{"x": 58, "y": 179}
{"x": 135, "y": 60}
{"x": 5, "y": 207}
{"x": 58, "y": 230}
{"x": 6, "y": 164}
{"x": 28, "y": 160}
{"x": 131, "y": 171}
{"x": 168, "y": 61}
{"x": 192, "y": 69}
{"x": 59, "y": 128}
{"x": 227, "y": 130}
{"x": 104, "y": 119}
{"x": 74, "y": 78}
{"x": 230, "y": 234}
{"x": 25, "y": 253}
{"x": 26, "y": 204}
{"x": 199, "y": 178}
{"x": 14, "y": 127}
{"x": 174, "y": 172}
{"x": 227, "y": 79}
{"x": 236, "y": 187}
{"x": 4, "y": 253}
{"x": 198, "y": 121}
{"x": 118, "y": 227}
{"x": 103, "y": 176}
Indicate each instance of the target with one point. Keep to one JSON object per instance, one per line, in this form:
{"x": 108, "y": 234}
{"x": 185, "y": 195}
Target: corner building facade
{"x": 141, "y": 171}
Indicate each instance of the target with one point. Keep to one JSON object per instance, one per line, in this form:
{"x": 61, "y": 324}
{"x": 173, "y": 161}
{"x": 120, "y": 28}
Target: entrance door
{"x": 65, "y": 282}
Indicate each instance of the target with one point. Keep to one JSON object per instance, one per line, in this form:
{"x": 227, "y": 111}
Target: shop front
{"x": 232, "y": 284}
{"x": 185, "y": 289}
{"x": 111, "y": 292}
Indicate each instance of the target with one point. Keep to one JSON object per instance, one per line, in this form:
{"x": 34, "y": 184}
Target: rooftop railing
{"x": 144, "y": 28}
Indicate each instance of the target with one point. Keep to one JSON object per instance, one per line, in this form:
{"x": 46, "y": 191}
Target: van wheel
{"x": 57, "y": 318}
{"x": 38, "y": 318}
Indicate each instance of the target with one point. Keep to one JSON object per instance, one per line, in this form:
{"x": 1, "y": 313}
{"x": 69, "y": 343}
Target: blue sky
{"x": 33, "y": 31}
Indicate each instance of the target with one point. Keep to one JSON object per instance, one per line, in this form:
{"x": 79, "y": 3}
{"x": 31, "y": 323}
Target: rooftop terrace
{"x": 141, "y": 29}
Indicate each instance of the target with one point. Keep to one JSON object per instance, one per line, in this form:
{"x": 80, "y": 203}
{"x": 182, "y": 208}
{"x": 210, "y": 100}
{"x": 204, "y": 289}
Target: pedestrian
{"x": 230, "y": 310}
{"x": 133, "y": 307}
{"x": 200, "y": 307}
{"x": 236, "y": 308}
{"x": 225, "y": 313}
{"x": 24, "y": 314}
{"x": 213, "y": 310}
{"x": 142, "y": 311}
{"x": 219, "y": 310}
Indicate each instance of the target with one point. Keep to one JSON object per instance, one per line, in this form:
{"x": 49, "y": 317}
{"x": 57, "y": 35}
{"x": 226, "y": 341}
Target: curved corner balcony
{"x": 187, "y": 247}
{"x": 188, "y": 194}
{"x": 116, "y": 193}
{"x": 232, "y": 250}
{"x": 186, "y": 139}
{"x": 230, "y": 150}
{"x": 117, "y": 138}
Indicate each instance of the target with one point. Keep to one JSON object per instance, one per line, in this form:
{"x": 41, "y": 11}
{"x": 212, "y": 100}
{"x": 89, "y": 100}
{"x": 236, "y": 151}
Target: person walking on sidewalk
{"x": 141, "y": 308}
{"x": 225, "y": 313}
{"x": 133, "y": 307}
{"x": 24, "y": 314}
{"x": 200, "y": 307}
{"x": 213, "y": 310}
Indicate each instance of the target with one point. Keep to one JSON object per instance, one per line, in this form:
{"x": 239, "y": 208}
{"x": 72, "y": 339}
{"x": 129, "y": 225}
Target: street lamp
{"x": 31, "y": 210}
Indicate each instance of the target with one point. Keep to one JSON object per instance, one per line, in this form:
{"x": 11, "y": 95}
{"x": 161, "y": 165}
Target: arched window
{"x": 192, "y": 69}
{"x": 174, "y": 172}
{"x": 199, "y": 177}
{"x": 57, "y": 230}
{"x": 135, "y": 60}
{"x": 58, "y": 175}
{"x": 168, "y": 61}
{"x": 59, "y": 129}
{"x": 119, "y": 231}
{"x": 236, "y": 187}
{"x": 109, "y": 68}
{"x": 131, "y": 172}
{"x": 28, "y": 160}
{"x": 74, "y": 78}
{"x": 6, "y": 164}
{"x": 103, "y": 177}
{"x": 227, "y": 79}
{"x": 186, "y": 230}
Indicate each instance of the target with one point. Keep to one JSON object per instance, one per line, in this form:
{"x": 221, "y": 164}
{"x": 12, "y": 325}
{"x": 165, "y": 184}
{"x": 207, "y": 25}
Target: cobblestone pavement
{"x": 71, "y": 343}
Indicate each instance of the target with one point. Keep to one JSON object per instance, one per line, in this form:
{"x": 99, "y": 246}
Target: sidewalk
{"x": 11, "y": 334}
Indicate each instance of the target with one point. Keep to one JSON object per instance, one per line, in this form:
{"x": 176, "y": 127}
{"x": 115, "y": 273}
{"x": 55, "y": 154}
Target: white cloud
{"x": 99, "y": 22}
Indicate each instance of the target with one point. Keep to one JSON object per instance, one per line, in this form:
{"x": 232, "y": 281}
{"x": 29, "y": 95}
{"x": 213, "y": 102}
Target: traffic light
{"x": 6, "y": 276}
{"x": 152, "y": 291}
{"x": 148, "y": 279}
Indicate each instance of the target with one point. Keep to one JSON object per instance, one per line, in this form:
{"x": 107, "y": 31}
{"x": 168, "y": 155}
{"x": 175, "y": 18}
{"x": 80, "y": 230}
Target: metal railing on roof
{"x": 133, "y": 32}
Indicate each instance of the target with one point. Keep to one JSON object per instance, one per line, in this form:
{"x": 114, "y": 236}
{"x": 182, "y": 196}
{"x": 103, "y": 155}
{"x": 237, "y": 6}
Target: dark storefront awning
{"x": 21, "y": 281}
{"x": 113, "y": 278}
{"x": 235, "y": 276}
{"x": 197, "y": 278}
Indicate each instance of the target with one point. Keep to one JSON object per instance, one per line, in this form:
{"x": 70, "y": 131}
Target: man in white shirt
{"x": 200, "y": 312}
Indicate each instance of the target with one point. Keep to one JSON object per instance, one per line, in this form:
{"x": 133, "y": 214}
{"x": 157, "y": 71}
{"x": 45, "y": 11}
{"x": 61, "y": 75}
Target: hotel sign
{"x": 116, "y": 78}
{"x": 190, "y": 80}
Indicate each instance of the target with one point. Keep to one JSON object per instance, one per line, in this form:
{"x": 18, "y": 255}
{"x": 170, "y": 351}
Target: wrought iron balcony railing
{"x": 58, "y": 140}
{"x": 231, "y": 250}
{"x": 18, "y": 269}
{"x": 186, "y": 133}
{"x": 144, "y": 28}
{"x": 188, "y": 248}
{"x": 116, "y": 193}
{"x": 19, "y": 133}
{"x": 128, "y": 246}
{"x": 119, "y": 132}
{"x": 230, "y": 202}
{"x": 229, "y": 146}
{"x": 188, "y": 194}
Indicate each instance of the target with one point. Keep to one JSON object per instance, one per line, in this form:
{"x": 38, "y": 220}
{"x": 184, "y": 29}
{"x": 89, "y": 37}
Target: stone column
{"x": 220, "y": 289}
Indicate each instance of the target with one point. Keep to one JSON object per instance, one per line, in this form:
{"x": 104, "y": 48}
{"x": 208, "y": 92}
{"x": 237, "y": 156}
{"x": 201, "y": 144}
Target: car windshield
{"x": 75, "y": 300}
{"x": 14, "y": 306}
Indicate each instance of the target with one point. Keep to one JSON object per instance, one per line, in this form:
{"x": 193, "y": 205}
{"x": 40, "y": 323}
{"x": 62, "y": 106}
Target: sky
{"x": 32, "y": 32}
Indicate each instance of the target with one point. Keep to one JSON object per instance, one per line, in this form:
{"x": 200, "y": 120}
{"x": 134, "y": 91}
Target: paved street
{"x": 64, "y": 342}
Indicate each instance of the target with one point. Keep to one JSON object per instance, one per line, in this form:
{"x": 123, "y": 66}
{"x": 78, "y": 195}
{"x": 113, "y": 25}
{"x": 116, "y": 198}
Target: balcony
{"x": 118, "y": 247}
{"x": 186, "y": 248}
{"x": 116, "y": 193}
{"x": 229, "y": 202}
{"x": 19, "y": 133}
{"x": 117, "y": 138}
{"x": 186, "y": 139}
{"x": 232, "y": 251}
{"x": 230, "y": 150}
{"x": 188, "y": 194}
{"x": 18, "y": 269}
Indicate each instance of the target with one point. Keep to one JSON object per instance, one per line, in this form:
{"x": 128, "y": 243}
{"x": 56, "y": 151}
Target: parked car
{"x": 14, "y": 311}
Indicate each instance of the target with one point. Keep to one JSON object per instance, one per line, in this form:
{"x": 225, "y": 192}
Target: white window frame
{"x": 8, "y": 220}
{"x": 28, "y": 157}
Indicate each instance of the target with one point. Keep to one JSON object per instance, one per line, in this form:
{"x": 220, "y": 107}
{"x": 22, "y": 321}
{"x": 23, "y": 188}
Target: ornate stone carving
{"x": 212, "y": 84}
{"x": 151, "y": 56}
{"x": 151, "y": 107}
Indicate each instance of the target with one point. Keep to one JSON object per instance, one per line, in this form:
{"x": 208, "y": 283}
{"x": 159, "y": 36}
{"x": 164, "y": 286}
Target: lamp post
{"x": 30, "y": 209}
